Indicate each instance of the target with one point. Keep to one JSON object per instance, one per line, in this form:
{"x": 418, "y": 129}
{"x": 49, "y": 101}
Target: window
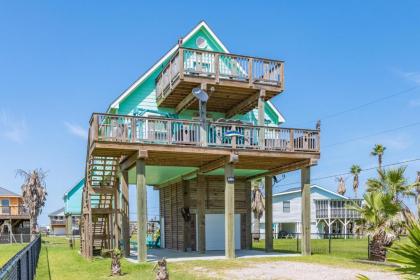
{"x": 5, "y": 209}
{"x": 286, "y": 206}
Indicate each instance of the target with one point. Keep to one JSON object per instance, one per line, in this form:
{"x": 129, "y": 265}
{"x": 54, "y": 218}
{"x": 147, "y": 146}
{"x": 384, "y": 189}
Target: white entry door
{"x": 215, "y": 231}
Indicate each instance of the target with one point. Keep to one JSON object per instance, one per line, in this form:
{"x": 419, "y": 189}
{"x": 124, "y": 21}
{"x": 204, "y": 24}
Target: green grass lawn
{"x": 8, "y": 251}
{"x": 346, "y": 248}
{"x": 58, "y": 261}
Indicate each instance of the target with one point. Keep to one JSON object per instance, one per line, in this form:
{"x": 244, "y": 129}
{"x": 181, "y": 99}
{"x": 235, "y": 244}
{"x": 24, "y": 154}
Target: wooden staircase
{"x": 99, "y": 228}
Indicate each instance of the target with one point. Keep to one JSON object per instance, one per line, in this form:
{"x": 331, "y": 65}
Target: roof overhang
{"x": 312, "y": 186}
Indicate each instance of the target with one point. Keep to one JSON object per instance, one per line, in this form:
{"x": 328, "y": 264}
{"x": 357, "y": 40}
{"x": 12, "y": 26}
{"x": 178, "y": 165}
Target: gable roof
{"x": 298, "y": 190}
{"x": 163, "y": 58}
{"x": 75, "y": 187}
{"x": 5, "y": 192}
{"x": 201, "y": 24}
{"x": 57, "y": 212}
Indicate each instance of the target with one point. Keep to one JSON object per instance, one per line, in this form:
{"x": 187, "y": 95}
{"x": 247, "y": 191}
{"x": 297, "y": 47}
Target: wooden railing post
{"x": 250, "y": 76}
{"x": 95, "y": 128}
{"x": 169, "y": 131}
{"x": 217, "y": 67}
{"x": 292, "y": 140}
{"x": 133, "y": 130}
{"x": 233, "y": 139}
{"x": 181, "y": 63}
{"x": 281, "y": 82}
{"x": 261, "y": 119}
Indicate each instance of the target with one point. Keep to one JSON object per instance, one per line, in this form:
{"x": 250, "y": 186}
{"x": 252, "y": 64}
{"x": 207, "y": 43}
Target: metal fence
{"x": 346, "y": 245}
{"x": 23, "y": 264}
{"x": 8, "y": 238}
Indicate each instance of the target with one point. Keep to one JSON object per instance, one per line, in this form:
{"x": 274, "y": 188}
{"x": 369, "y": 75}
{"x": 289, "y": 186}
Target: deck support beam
{"x": 306, "y": 210}
{"x": 187, "y": 223}
{"x": 125, "y": 220}
{"x": 201, "y": 213}
{"x": 141, "y": 209}
{"x": 229, "y": 211}
{"x": 268, "y": 213}
{"x": 261, "y": 118}
{"x": 248, "y": 222}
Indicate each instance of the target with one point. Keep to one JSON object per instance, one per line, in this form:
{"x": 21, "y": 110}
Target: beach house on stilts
{"x": 198, "y": 126}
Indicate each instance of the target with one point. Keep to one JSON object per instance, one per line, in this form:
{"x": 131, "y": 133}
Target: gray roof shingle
{"x": 5, "y": 192}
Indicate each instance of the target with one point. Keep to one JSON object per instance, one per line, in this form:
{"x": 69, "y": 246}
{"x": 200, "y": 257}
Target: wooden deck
{"x": 119, "y": 143}
{"x": 233, "y": 81}
{"x": 174, "y": 142}
{"x": 14, "y": 212}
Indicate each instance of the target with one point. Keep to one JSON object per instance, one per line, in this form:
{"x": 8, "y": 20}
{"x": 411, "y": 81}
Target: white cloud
{"x": 77, "y": 130}
{"x": 411, "y": 76}
{"x": 11, "y": 128}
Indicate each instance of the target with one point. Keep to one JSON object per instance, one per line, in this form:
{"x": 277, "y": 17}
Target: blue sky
{"x": 62, "y": 60}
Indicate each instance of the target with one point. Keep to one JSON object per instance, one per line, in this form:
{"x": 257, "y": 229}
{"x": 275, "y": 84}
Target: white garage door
{"x": 59, "y": 231}
{"x": 215, "y": 231}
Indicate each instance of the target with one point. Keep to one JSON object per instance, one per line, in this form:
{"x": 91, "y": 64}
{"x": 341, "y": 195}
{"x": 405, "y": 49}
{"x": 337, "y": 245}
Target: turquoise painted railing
{"x": 232, "y": 135}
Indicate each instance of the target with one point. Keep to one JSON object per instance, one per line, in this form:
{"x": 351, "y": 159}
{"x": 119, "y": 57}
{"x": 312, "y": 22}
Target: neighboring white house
{"x": 329, "y": 213}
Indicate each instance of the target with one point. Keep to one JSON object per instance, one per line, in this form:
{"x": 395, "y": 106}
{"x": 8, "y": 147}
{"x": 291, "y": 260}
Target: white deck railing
{"x": 336, "y": 209}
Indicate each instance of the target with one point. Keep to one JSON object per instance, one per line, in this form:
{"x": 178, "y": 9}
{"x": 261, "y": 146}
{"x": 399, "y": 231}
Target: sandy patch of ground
{"x": 297, "y": 270}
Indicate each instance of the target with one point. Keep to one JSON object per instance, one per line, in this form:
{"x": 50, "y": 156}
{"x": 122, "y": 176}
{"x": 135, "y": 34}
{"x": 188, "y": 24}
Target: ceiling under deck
{"x": 221, "y": 98}
{"x": 156, "y": 175}
{"x": 166, "y": 162}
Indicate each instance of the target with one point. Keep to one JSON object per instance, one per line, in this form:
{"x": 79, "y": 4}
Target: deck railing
{"x": 336, "y": 209}
{"x": 57, "y": 222}
{"x": 154, "y": 130}
{"x": 218, "y": 66}
{"x": 14, "y": 210}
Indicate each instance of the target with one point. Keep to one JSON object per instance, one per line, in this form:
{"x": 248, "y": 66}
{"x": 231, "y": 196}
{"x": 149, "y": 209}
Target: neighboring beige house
{"x": 14, "y": 216}
{"x": 57, "y": 222}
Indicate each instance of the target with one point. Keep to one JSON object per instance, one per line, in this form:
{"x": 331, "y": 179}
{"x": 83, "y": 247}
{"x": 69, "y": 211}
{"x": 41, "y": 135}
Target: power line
{"x": 373, "y": 134}
{"x": 348, "y": 173}
{"x": 351, "y": 109}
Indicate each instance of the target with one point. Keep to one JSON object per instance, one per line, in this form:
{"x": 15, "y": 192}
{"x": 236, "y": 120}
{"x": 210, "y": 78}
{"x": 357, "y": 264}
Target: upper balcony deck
{"x": 337, "y": 209}
{"x": 14, "y": 212}
{"x": 233, "y": 81}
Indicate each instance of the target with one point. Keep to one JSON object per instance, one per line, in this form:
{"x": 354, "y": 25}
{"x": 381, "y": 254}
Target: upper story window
{"x": 5, "y": 203}
{"x": 286, "y": 206}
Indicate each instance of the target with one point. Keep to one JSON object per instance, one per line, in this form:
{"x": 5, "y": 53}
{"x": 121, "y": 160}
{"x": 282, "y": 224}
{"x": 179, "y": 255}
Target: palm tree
{"x": 381, "y": 220}
{"x": 418, "y": 194}
{"x": 409, "y": 253}
{"x": 393, "y": 182}
{"x": 34, "y": 195}
{"x": 378, "y": 150}
{"x": 341, "y": 186}
{"x": 257, "y": 207}
{"x": 355, "y": 171}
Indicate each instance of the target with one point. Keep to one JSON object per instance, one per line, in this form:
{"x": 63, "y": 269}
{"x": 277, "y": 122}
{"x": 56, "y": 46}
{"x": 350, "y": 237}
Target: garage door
{"x": 215, "y": 231}
{"x": 59, "y": 231}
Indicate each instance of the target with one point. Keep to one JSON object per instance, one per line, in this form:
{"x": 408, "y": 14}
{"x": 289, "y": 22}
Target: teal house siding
{"x": 73, "y": 199}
